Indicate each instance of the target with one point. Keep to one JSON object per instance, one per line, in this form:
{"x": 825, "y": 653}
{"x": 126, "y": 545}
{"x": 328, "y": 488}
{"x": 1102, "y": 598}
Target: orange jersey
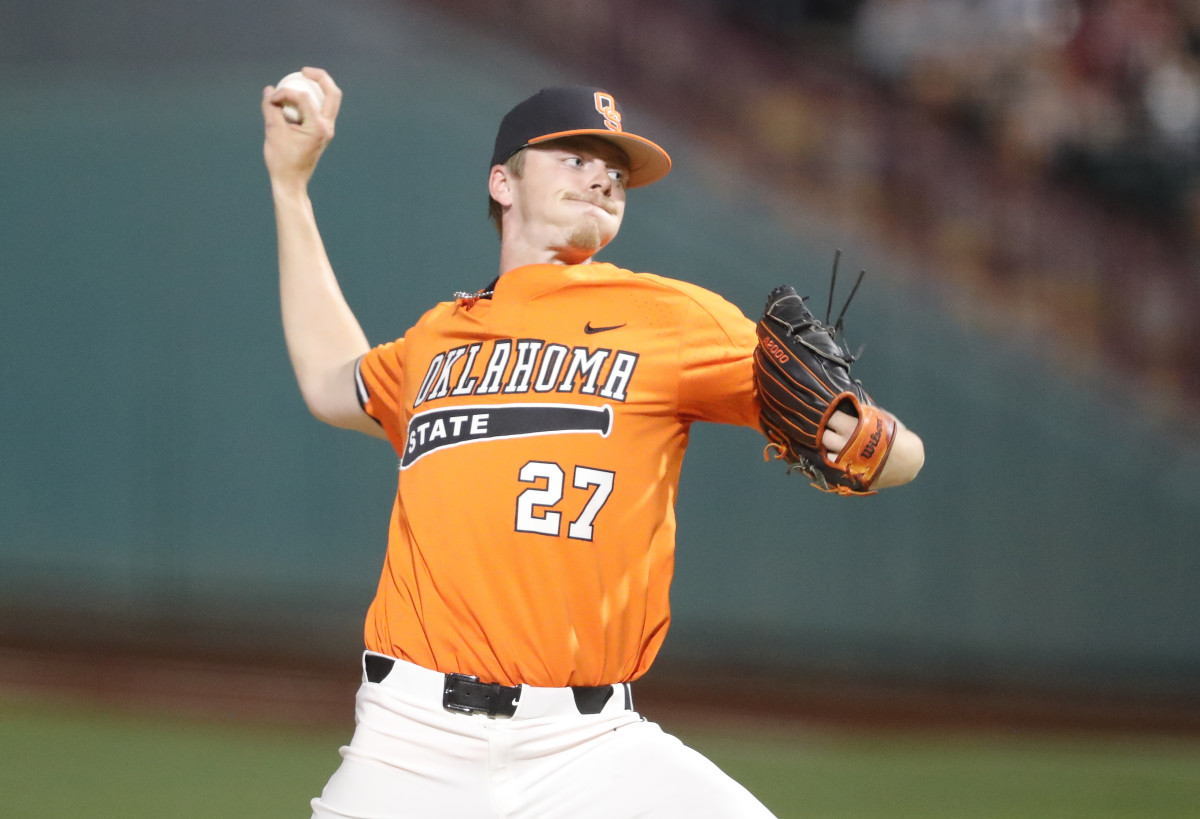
{"x": 541, "y": 434}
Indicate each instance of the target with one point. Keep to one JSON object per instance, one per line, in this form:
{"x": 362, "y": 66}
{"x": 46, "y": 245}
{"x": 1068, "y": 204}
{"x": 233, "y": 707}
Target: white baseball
{"x": 297, "y": 81}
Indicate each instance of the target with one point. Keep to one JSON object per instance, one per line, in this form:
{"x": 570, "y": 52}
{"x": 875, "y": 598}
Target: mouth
{"x": 607, "y": 207}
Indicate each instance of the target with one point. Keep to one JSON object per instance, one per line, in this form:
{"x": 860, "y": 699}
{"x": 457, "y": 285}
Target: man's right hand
{"x": 291, "y": 151}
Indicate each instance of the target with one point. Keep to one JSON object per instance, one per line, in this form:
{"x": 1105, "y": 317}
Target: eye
{"x": 575, "y": 161}
{"x": 617, "y": 175}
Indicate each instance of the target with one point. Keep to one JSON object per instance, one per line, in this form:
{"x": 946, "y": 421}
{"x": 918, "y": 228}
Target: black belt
{"x": 467, "y": 695}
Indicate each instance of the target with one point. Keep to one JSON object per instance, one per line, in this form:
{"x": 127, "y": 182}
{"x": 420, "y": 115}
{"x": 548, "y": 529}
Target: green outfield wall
{"x": 161, "y": 481}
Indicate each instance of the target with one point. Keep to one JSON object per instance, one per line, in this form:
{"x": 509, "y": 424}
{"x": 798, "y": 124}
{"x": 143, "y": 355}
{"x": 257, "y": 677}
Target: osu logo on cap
{"x": 607, "y": 106}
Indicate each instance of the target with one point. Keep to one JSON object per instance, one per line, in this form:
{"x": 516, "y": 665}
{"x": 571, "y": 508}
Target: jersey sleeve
{"x": 379, "y": 380}
{"x": 717, "y": 378}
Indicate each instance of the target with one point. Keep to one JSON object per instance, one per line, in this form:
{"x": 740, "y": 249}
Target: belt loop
{"x": 376, "y": 667}
{"x": 592, "y": 700}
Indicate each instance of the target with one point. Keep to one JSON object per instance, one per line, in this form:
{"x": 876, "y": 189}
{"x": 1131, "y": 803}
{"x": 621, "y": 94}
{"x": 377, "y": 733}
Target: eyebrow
{"x": 611, "y": 154}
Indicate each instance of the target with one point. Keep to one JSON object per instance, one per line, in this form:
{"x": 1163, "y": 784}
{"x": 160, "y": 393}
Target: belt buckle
{"x": 490, "y": 693}
{"x": 448, "y": 692}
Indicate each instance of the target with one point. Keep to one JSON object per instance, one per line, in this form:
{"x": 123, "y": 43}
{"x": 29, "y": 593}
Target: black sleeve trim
{"x": 361, "y": 391}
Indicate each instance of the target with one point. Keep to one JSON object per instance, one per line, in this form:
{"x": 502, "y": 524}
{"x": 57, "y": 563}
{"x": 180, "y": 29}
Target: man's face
{"x": 570, "y": 196}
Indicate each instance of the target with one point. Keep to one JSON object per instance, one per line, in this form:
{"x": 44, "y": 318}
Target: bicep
{"x": 716, "y": 380}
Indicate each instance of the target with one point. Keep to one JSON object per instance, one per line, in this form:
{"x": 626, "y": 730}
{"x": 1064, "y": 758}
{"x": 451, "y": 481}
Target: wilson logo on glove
{"x": 873, "y": 441}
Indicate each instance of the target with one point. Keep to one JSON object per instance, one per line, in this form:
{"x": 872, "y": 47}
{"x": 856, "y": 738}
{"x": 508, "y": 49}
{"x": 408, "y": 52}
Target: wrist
{"x": 290, "y": 193}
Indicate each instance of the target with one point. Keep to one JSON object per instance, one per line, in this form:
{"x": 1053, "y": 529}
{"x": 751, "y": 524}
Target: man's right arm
{"x": 324, "y": 339}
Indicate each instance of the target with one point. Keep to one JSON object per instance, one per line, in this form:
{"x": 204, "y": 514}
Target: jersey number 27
{"x": 535, "y": 505}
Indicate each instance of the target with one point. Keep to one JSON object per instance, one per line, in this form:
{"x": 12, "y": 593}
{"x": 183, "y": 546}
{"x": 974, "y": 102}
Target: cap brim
{"x": 648, "y": 162}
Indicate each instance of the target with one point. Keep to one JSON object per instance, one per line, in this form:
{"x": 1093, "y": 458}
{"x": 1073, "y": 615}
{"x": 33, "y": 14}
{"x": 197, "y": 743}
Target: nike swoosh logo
{"x": 589, "y": 329}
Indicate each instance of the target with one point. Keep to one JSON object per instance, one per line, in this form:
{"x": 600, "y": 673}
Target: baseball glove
{"x": 803, "y": 374}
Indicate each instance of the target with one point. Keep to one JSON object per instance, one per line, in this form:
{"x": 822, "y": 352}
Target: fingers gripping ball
{"x": 803, "y": 376}
{"x": 298, "y": 82}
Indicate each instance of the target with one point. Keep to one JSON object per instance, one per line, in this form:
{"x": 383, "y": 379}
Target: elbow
{"x": 341, "y": 409}
{"x": 317, "y": 400}
{"x": 321, "y": 413}
{"x": 335, "y": 414}
{"x": 330, "y": 395}
{"x": 313, "y": 403}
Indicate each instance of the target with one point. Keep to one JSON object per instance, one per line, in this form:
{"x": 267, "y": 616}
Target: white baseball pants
{"x": 410, "y": 757}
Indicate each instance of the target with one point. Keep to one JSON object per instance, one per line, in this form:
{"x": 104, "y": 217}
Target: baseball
{"x": 296, "y": 80}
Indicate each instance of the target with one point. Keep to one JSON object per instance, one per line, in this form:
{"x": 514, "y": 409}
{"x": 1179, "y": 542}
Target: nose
{"x": 601, "y": 181}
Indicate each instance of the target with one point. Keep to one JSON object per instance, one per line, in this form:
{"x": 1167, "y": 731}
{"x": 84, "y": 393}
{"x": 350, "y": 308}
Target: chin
{"x": 588, "y": 238}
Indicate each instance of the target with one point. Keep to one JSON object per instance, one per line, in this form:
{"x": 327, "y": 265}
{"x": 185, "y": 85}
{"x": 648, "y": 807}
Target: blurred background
{"x": 1019, "y": 178}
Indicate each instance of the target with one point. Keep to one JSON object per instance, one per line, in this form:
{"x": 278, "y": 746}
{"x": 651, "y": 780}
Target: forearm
{"x": 904, "y": 461}
{"x": 322, "y": 334}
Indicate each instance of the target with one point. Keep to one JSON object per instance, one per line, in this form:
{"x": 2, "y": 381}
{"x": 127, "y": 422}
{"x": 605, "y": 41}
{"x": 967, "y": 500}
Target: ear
{"x": 499, "y": 186}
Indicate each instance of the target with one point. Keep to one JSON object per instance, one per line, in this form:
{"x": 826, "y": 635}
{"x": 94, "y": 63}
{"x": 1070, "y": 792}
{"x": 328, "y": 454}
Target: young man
{"x": 541, "y": 425}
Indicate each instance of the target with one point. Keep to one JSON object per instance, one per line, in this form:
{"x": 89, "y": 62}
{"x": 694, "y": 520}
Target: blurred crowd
{"x": 1105, "y": 93}
{"x": 1045, "y": 154}
{"x": 1037, "y": 161}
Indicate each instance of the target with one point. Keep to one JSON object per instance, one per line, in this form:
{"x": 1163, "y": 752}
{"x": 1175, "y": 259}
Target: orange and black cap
{"x": 553, "y": 113}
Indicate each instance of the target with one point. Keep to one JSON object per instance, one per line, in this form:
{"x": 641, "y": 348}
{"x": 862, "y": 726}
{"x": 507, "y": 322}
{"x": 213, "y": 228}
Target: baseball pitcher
{"x": 506, "y": 631}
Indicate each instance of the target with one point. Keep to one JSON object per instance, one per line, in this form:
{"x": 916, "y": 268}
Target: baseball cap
{"x": 553, "y": 113}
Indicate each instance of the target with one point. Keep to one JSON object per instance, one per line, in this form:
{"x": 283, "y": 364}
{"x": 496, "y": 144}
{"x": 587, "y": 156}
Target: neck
{"x": 515, "y": 254}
